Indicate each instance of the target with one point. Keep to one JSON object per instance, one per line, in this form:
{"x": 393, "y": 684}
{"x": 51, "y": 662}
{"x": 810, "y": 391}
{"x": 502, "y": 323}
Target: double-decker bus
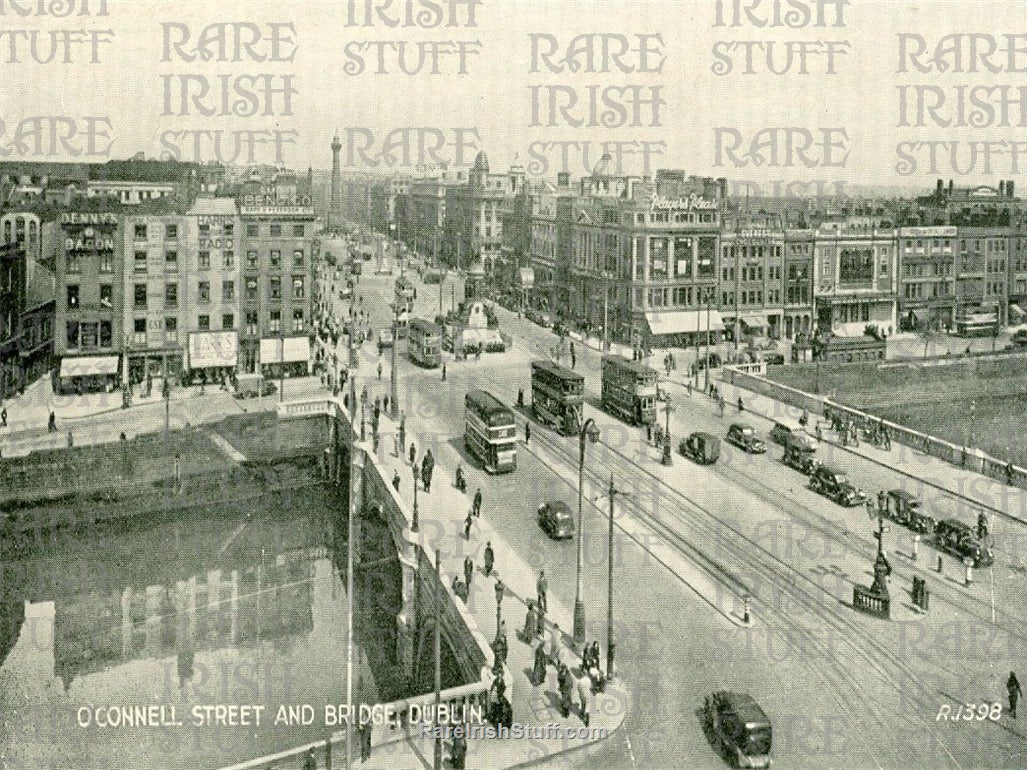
{"x": 424, "y": 343}
{"x": 490, "y": 433}
{"x": 557, "y": 396}
{"x": 629, "y": 390}
{"x": 405, "y": 294}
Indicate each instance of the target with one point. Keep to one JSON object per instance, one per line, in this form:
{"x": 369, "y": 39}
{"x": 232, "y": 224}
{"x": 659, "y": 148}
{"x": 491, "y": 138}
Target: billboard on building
{"x": 295, "y": 350}
{"x": 213, "y": 349}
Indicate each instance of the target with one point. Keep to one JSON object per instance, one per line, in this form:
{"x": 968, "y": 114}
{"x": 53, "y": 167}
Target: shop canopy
{"x": 754, "y": 321}
{"x": 294, "y": 350}
{"x": 684, "y": 321}
{"x": 87, "y": 366}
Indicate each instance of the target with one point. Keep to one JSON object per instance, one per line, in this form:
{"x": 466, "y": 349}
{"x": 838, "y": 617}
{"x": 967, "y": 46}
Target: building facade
{"x": 927, "y": 276}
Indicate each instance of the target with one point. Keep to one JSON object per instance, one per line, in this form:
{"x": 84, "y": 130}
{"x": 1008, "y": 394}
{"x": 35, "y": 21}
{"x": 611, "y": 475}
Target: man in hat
{"x": 1014, "y": 692}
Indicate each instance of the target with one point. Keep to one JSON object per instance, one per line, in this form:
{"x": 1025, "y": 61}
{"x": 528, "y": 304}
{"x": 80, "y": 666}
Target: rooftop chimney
{"x": 1010, "y": 187}
{"x": 563, "y": 179}
{"x": 941, "y": 187}
{"x": 1001, "y": 187}
{"x": 950, "y": 187}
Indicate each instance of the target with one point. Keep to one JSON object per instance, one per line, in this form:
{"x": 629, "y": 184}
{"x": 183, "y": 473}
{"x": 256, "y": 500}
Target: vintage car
{"x": 783, "y": 432}
{"x": 385, "y": 338}
{"x": 556, "y": 520}
{"x": 908, "y": 510}
{"x": 960, "y": 540}
{"x": 801, "y": 456}
{"x": 738, "y": 729}
{"x": 702, "y": 448}
{"x": 835, "y": 485}
{"x": 743, "y": 436}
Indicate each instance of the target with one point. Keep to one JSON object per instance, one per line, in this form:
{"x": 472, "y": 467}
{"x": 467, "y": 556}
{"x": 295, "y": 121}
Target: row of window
{"x": 926, "y": 290}
{"x": 140, "y": 293}
{"x": 755, "y": 273}
{"x": 98, "y": 334}
{"x": 142, "y": 232}
{"x": 73, "y": 261}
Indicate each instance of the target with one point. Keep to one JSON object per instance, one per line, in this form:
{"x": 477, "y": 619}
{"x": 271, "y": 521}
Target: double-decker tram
{"x": 490, "y": 433}
{"x": 629, "y": 390}
{"x": 557, "y": 396}
{"x": 424, "y": 343}
{"x": 405, "y": 294}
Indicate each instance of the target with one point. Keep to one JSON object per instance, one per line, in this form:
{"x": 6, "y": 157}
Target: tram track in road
{"x": 691, "y": 516}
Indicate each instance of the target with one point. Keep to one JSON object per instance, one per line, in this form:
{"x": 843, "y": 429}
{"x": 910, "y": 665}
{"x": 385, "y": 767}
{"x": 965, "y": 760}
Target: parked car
{"x": 801, "y": 456}
{"x": 835, "y": 485}
{"x": 784, "y": 432}
{"x": 385, "y": 338}
{"x": 738, "y": 728}
{"x": 1019, "y": 338}
{"x": 960, "y": 540}
{"x": 702, "y": 448}
{"x": 253, "y": 386}
{"x": 774, "y": 359}
{"x": 743, "y": 436}
{"x": 908, "y": 510}
{"x": 556, "y": 520}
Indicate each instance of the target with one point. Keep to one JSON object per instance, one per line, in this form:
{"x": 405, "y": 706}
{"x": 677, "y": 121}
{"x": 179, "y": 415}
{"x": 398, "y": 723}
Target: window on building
{"x": 251, "y": 260}
{"x": 276, "y": 258}
{"x": 140, "y": 232}
{"x": 204, "y": 259}
{"x": 106, "y": 334}
{"x": 139, "y": 263}
{"x": 228, "y": 259}
{"x": 228, "y": 321}
{"x": 228, "y": 291}
{"x": 297, "y": 231}
{"x": 204, "y": 291}
{"x": 297, "y": 258}
{"x": 139, "y": 296}
{"x": 171, "y": 295}
{"x": 171, "y": 232}
{"x": 171, "y": 329}
{"x": 251, "y": 323}
{"x": 106, "y": 262}
{"x": 276, "y": 229}
{"x": 73, "y": 297}
{"x": 297, "y": 320}
{"x": 297, "y": 287}
{"x": 203, "y": 323}
{"x": 72, "y": 334}
{"x": 88, "y": 338}
{"x": 252, "y": 231}
{"x": 275, "y": 321}
{"x": 171, "y": 261}
{"x": 139, "y": 331}
{"x": 229, "y": 228}
{"x": 106, "y": 296}
{"x": 276, "y": 287}
{"x": 71, "y": 262}
{"x": 205, "y": 230}
{"x": 251, "y": 289}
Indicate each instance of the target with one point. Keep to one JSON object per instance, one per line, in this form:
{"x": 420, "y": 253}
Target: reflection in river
{"x": 229, "y": 604}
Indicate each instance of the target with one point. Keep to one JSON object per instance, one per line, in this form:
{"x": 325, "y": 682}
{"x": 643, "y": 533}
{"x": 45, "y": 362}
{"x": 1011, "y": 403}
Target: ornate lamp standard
{"x": 417, "y": 476}
{"x": 589, "y": 431}
{"x": 363, "y": 406}
{"x": 666, "y": 437}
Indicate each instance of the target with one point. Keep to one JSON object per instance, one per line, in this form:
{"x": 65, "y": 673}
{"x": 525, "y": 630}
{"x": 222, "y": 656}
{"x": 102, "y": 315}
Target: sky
{"x": 120, "y": 81}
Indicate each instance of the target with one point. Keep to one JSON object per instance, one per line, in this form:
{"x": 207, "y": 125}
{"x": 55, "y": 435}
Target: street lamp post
{"x": 668, "y": 408}
{"x": 500, "y": 589}
{"x": 166, "y": 392}
{"x": 363, "y": 405}
{"x": 610, "y": 646}
{"x": 335, "y": 372}
{"x": 281, "y": 371}
{"x": 589, "y": 431}
{"x": 417, "y": 475}
{"x": 394, "y": 406}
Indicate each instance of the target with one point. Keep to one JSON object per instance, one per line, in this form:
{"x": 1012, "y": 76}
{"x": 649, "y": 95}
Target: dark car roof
{"x": 901, "y": 494}
{"x": 955, "y": 524}
{"x": 743, "y": 704}
{"x": 704, "y": 436}
{"x": 742, "y": 426}
{"x": 558, "y": 506}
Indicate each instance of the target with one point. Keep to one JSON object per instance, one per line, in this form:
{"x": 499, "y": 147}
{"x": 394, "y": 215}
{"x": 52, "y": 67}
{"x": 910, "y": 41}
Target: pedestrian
{"x": 530, "y": 623}
{"x": 541, "y": 587}
{"x": 395, "y": 480}
{"x": 490, "y": 558}
{"x": 71, "y": 440}
{"x": 820, "y": 433}
{"x": 527, "y": 433}
{"x": 538, "y": 674}
{"x": 52, "y": 424}
{"x": 379, "y": 370}
{"x": 689, "y": 386}
{"x": 563, "y": 678}
{"x": 982, "y": 526}
{"x": 882, "y": 500}
{"x": 520, "y": 398}
{"x": 476, "y": 504}
{"x": 554, "y": 644}
{"x": 468, "y": 570}
{"x": 385, "y": 402}
{"x": 574, "y": 360}
{"x": 365, "y": 742}
{"x": 310, "y": 763}
{"x": 467, "y": 527}
{"x": 413, "y": 453}
{"x": 584, "y": 684}
{"x": 443, "y": 372}
{"x": 1014, "y": 691}
{"x": 402, "y": 434}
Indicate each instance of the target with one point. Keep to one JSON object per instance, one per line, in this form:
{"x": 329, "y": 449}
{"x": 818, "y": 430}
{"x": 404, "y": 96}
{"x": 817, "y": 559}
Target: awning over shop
{"x": 526, "y": 277}
{"x": 754, "y": 321}
{"x": 919, "y": 313}
{"x": 1015, "y": 311}
{"x": 683, "y": 321}
{"x": 296, "y": 349}
{"x": 85, "y": 366}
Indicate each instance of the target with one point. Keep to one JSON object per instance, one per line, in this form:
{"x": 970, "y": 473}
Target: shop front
{"x": 87, "y": 374}
{"x": 285, "y": 356}
{"x": 683, "y": 328}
